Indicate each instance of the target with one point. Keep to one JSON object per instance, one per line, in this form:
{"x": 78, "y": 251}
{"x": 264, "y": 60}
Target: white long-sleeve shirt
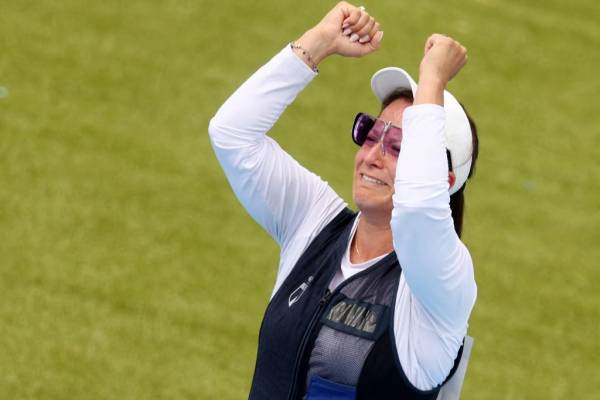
{"x": 437, "y": 289}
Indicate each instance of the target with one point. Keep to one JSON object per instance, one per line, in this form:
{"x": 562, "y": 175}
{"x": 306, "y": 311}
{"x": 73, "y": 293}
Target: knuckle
{"x": 364, "y": 30}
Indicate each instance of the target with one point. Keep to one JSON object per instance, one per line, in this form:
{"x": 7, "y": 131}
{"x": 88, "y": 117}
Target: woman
{"x": 371, "y": 305}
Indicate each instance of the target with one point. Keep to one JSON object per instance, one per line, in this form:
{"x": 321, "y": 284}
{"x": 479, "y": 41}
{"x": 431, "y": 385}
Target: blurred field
{"x": 129, "y": 271}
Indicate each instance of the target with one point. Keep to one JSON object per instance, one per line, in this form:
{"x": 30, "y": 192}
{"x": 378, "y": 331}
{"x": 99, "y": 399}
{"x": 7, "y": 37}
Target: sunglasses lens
{"x": 368, "y": 130}
{"x": 392, "y": 141}
{"x": 362, "y": 126}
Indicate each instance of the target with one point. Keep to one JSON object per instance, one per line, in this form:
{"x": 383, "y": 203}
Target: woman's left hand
{"x": 443, "y": 58}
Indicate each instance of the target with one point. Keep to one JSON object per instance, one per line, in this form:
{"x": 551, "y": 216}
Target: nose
{"x": 374, "y": 155}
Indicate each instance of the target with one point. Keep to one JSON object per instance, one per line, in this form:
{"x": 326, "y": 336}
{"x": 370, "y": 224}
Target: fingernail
{"x": 347, "y": 31}
{"x": 354, "y": 37}
{"x": 364, "y": 39}
{"x": 345, "y": 25}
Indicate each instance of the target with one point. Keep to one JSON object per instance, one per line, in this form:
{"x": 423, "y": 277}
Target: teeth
{"x": 371, "y": 180}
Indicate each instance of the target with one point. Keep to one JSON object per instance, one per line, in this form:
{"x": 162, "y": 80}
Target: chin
{"x": 372, "y": 204}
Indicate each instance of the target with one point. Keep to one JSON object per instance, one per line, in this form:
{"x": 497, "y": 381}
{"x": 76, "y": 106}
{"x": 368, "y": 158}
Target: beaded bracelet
{"x": 305, "y": 52}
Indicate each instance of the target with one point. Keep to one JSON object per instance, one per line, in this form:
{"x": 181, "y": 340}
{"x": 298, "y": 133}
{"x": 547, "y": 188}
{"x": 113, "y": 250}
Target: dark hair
{"x": 395, "y": 95}
{"x": 457, "y": 200}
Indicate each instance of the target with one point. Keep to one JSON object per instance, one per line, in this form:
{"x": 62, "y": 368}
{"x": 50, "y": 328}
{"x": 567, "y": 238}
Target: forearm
{"x": 251, "y": 111}
{"x": 430, "y": 91}
{"x": 275, "y": 190}
{"x": 436, "y": 264}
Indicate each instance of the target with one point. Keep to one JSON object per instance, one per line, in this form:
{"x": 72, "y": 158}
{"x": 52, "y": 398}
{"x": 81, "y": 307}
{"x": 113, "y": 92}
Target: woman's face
{"x": 374, "y": 173}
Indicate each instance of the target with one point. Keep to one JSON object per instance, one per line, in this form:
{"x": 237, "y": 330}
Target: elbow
{"x": 215, "y": 129}
{"x": 471, "y": 293}
{"x": 220, "y": 135}
{"x": 222, "y": 123}
{"x": 229, "y": 135}
{"x": 462, "y": 286}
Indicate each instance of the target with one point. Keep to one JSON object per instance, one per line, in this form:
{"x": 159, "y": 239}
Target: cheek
{"x": 358, "y": 158}
{"x": 391, "y": 169}
{"x": 359, "y": 154}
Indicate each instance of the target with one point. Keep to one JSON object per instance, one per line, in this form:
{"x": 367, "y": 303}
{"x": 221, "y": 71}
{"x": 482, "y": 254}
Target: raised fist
{"x": 443, "y": 58}
{"x": 346, "y": 30}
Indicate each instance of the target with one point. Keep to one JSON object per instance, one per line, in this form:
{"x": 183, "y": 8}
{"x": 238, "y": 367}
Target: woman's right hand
{"x": 346, "y": 30}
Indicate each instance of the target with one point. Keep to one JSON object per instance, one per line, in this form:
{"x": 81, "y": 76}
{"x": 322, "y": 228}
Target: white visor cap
{"x": 459, "y": 140}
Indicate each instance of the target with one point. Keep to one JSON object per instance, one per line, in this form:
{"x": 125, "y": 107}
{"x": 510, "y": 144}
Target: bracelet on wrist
{"x": 306, "y": 54}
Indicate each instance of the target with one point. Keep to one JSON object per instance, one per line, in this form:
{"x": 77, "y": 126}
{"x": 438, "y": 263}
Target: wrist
{"x": 430, "y": 90}
{"x": 304, "y": 56}
{"x": 315, "y": 45}
{"x": 432, "y": 80}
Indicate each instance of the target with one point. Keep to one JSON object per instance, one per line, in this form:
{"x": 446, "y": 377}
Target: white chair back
{"x": 451, "y": 389}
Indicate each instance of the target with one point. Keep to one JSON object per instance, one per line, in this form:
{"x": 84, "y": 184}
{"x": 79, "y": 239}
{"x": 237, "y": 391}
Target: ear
{"x": 451, "y": 178}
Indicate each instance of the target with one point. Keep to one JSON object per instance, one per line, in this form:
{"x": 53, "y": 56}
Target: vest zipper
{"x": 317, "y": 314}
{"x": 315, "y": 317}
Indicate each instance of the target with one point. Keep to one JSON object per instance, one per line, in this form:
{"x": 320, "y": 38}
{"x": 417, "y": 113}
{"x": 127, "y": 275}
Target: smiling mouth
{"x": 370, "y": 179}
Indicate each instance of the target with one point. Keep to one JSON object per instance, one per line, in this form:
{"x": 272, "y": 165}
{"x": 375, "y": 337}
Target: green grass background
{"x": 128, "y": 270}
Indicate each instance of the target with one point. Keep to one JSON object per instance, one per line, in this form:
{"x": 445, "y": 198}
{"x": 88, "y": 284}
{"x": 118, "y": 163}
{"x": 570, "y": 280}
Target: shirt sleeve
{"x": 285, "y": 198}
{"x": 437, "y": 288}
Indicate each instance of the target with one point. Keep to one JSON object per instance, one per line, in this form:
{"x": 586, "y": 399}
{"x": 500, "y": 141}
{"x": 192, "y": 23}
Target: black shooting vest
{"x": 345, "y": 336}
